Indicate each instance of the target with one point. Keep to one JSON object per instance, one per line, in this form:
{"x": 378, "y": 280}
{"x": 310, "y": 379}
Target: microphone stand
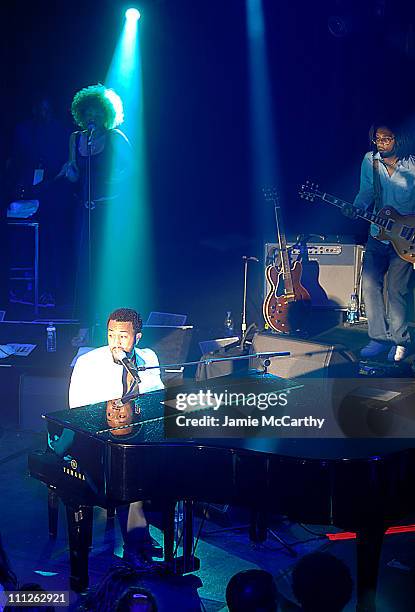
{"x": 243, "y": 325}
{"x": 264, "y": 355}
{"x": 244, "y": 328}
{"x": 134, "y": 392}
{"x": 89, "y": 206}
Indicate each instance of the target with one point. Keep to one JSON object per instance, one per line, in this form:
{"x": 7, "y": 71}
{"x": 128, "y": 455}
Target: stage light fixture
{"x": 132, "y": 14}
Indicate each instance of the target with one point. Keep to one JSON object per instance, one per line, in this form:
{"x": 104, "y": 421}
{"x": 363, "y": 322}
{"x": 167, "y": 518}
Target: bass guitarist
{"x": 387, "y": 178}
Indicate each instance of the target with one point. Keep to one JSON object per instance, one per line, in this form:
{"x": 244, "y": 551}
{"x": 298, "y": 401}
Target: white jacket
{"x": 96, "y": 378}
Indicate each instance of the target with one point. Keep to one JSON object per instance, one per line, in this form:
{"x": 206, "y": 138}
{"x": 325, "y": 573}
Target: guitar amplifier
{"x": 330, "y": 274}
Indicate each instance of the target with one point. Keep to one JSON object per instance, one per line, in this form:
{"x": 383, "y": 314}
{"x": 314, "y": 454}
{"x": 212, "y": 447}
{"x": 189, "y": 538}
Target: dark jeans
{"x": 138, "y": 538}
{"x": 387, "y": 322}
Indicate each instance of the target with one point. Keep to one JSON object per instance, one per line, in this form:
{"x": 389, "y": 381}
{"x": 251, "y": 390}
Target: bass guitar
{"x": 287, "y": 304}
{"x": 398, "y": 229}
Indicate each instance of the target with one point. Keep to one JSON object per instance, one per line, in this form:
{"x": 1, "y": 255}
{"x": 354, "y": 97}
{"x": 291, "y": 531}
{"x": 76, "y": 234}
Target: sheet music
{"x": 5, "y": 351}
{"x": 21, "y": 350}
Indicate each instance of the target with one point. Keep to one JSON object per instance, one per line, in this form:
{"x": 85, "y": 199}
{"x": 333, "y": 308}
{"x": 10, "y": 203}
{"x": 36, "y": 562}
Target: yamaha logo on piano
{"x": 73, "y": 470}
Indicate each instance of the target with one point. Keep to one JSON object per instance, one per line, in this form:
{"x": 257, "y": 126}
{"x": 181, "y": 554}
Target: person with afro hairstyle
{"x": 100, "y": 158}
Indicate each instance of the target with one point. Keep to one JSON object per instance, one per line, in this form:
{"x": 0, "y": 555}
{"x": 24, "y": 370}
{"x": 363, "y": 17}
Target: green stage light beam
{"x": 125, "y": 268}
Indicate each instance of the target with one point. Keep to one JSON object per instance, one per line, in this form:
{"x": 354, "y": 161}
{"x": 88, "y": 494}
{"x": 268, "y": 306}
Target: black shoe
{"x": 139, "y": 559}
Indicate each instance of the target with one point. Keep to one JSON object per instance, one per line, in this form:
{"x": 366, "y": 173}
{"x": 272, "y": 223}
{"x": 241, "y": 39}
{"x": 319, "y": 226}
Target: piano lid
{"x": 147, "y": 415}
{"x": 141, "y": 419}
{"x": 144, "y": 422}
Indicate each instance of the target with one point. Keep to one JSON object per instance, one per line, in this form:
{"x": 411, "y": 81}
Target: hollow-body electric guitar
{"x": 287, "y": 304}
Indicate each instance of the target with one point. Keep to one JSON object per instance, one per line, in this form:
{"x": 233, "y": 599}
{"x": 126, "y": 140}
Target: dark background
{"x": 326, "y": 91}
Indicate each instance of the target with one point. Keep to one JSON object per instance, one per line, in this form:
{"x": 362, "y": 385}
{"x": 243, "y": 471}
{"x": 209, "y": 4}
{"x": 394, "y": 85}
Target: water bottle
{"x": 353, "y": 309}
{"x": 51, "y": 338}
{"x": 228, "y": 324}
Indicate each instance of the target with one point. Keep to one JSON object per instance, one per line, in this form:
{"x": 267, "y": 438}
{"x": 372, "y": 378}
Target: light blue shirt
{"x": 398, "y": 190}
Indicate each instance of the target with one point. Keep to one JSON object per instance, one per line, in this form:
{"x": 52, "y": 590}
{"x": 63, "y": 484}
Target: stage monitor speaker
{"x": 331, "y": 273}
{"x": 227, "y": 367}
{"x": 326, "y": 374}
{"x": 171, "y": 344}
{"x": 307, "y": 358}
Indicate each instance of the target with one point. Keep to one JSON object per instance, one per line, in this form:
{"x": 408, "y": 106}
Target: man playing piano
{"x": 109, "y": 373}
{"x": 99, "y": 375}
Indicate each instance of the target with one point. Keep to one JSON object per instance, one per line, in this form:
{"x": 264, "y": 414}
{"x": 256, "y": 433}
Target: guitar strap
{"x": 377, "y": 187}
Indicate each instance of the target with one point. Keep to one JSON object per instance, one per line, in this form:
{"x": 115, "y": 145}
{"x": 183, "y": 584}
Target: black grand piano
{"x": 361, "y": 485}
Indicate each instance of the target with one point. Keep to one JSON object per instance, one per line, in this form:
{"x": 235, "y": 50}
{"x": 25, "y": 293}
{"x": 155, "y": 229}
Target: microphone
{"x": 121, "y": 356}
{"x": 90, "y": 131}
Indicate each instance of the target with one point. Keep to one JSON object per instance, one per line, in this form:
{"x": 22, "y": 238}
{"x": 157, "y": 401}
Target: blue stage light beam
{"x": 264, "y": 153}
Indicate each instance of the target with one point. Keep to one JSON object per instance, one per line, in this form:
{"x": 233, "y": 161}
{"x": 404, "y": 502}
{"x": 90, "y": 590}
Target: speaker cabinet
{"x": 331, "y": 273}
{"x": 382, "y": 409}
{"x": 325, "y": 374}
{"x": 306, "y": 358}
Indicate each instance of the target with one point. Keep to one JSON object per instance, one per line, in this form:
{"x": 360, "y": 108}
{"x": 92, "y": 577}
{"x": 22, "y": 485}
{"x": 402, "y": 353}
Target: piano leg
{"x": 80, "y": 538}
{"x": 53, "y": 508}
{"x": 188, "y": 556}
{"x": 369, "y": 545}
{"x": 258, "y": 526}
{"x": 187, "y": 562}
{"x": 168, "y": 531}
